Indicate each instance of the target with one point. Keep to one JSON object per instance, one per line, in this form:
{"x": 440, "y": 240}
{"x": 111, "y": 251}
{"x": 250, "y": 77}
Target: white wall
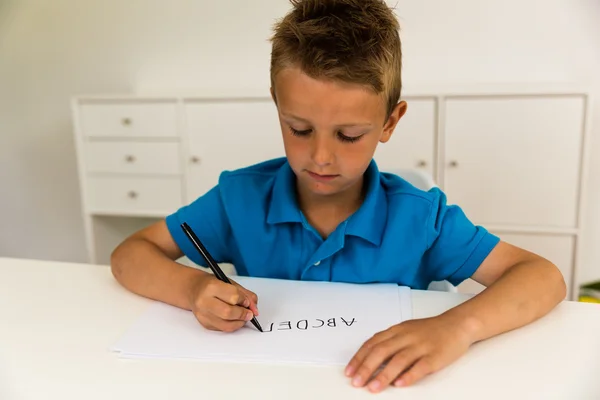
{"x": 52, "y": 50}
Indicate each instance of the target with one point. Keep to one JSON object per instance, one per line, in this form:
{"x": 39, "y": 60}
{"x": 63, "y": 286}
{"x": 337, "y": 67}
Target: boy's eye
{"x": 340, "y": 135}
{"x": 297, "y": 132}
{"x": 348, "y": 139}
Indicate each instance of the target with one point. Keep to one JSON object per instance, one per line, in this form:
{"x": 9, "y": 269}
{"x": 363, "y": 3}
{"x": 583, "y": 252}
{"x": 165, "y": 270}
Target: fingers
{"x": 419, "y": 370}
{"x": 227, "y": 312}
{"x": 364, "y": 351}
{"x": 405, "y": 353}
{"x": 253, "y": 301}
{"x": 218, "y": 315}
{"x": 251, "y": 296}
{"x": 215, "y": 323}
{"x": 399, "y": 363}
{"x": 230, "y": 294}
{"x": 254, "y": 309}
{"x": 378, "y": 354}
{"x": 221, "y": 306}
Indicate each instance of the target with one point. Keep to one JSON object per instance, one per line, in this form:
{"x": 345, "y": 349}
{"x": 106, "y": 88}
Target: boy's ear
{"x": 392, "y": 121}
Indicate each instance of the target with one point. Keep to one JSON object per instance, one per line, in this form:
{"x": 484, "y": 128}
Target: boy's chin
{"x": 322, "y": 189}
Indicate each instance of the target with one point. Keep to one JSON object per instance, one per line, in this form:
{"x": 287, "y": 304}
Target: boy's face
{"x": 330, "y": 130}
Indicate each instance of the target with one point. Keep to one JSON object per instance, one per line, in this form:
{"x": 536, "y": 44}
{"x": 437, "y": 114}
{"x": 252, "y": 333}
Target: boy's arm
{"x": 521, "y": 288}
{"x": 144, "y": 264}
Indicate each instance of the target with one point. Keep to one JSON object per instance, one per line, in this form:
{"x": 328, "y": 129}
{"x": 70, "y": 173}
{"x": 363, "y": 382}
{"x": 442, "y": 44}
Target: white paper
{"x": 303, "y": 323}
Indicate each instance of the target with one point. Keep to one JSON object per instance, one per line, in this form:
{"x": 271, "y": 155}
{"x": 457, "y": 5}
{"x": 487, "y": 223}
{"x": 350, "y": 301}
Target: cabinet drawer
{"x": 129, "y": 120}
{"x": 131, "y": 157}
{"x": 141, "y": 195}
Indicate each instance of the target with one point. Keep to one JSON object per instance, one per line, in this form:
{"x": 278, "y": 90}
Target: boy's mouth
{"x": 319, "y": 177}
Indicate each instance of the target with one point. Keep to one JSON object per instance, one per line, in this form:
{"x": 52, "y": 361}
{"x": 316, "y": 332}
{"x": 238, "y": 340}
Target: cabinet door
{"x": 559, "y": 249}
{"x": 227, "y": 136}
{"x": 413, "y": 143}
{"x": 515, "y": 160}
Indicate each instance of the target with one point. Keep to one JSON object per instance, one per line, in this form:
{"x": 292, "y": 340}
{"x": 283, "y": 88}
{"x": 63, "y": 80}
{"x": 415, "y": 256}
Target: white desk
{"x": 58, "y": 321}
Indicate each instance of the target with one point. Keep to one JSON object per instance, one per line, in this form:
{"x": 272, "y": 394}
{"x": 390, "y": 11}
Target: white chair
{"x": 422, "y": 180}
{"x": 416, "y": 177}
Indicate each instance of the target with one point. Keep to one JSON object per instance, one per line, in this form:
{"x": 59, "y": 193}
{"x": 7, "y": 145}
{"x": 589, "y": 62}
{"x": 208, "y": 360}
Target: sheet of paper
{"x": 303, "y": 322}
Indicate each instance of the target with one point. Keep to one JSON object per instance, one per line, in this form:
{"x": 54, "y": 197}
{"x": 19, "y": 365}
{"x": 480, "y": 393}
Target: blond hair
{"x": 352, "y": 41}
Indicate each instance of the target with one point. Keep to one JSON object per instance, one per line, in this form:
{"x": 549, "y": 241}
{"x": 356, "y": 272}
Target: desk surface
{"x": 58, "y": 321}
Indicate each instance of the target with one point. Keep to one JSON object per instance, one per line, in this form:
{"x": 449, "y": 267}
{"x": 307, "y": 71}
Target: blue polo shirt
{"x": 400, "y": 234}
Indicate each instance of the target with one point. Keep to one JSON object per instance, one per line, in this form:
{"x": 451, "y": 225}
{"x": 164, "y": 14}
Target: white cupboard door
{"x": 559, "y": 249}
{"x": 412, "y": 144}
{"x": 514, "y": 161}
{"x": 227, "y": 136}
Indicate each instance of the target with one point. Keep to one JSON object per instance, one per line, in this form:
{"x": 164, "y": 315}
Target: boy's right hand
{"x": 220, "y": 306}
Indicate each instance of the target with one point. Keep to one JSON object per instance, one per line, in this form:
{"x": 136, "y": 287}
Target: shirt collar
{"x": 369, "y": 221}
{"x": 283, "y": 205}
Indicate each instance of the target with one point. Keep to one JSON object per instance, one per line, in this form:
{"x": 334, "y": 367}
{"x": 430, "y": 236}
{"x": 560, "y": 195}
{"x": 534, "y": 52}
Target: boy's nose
{"x": 322, "y": 152}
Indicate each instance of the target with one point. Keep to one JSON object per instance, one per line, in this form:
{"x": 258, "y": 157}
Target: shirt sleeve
{"x": 455, "y": 246}
{"x": 208, "y": 219}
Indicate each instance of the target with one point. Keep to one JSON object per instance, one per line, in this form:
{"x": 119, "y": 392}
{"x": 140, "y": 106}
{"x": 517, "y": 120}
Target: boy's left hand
{"x": 411, "y": 349}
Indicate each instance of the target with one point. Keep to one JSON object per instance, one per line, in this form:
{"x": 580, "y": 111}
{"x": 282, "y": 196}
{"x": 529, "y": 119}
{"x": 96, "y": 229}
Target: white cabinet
{"x": 412, "y": 144}
{"x": 227, "y": 135}
{"x": 514, "y": 164}
{"x": 129, "y": 156}
{"x": 513, "y": 159}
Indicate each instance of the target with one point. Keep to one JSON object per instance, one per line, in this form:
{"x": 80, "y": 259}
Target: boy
{"x": 325, "y": 212}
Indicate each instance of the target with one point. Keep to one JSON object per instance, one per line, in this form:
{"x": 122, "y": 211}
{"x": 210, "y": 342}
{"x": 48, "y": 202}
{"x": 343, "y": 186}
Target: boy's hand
{"x": 411, "y": 349}
{"x": 220, "y": 306}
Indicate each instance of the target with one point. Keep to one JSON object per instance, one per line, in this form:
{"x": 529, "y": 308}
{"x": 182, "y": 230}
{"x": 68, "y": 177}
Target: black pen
{"x": 217, "y": 271}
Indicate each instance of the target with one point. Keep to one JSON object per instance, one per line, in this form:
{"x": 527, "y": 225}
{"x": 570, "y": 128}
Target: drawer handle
{"x": 421, "y": 163}
{"x": 129, "y": 158}
{"x": 453, "y": 164}
{"x": 195, "y": 160}
{"x": 126, "y": 121}
{"x": 132, "y": 194}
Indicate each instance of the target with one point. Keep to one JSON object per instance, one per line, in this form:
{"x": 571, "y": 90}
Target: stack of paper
{"x": 303, "y": 322}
